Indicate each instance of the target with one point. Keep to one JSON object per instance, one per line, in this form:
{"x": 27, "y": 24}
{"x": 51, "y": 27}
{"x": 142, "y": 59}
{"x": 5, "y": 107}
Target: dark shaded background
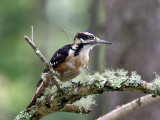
{"x": 132, "y": 25}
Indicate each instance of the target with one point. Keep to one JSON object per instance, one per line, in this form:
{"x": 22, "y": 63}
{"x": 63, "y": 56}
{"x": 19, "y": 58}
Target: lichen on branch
{"x": 110, "y": 80}
{"x": 117, "y": 78}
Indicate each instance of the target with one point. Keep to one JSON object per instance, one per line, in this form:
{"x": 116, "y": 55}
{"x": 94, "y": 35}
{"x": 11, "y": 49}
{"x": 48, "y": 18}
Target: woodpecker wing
{"x": 59, "y": 56}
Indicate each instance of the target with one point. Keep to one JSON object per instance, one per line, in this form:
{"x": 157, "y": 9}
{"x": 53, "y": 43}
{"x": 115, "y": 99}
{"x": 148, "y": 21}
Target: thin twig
{"x": 37, "y": 50}
{"x": 70, "y": 40}
{"x": 129, "y": 107}
{"x": 48, "y": 65}
{"x": 32, "y": 33}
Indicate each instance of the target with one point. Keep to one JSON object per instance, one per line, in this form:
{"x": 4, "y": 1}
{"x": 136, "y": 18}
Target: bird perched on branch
{"x": 70, "y": 60}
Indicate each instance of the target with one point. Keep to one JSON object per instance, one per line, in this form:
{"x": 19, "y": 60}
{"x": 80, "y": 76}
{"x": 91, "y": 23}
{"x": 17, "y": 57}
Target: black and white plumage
{"x": 59, "y": 56}
{"x": 71, "y": 59}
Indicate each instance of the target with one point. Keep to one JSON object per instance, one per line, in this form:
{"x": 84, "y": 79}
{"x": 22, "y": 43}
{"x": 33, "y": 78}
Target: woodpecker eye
{"x": 85, "y": 37}
{"x": 82, "y": 36}
{"x": 90, "y": 37}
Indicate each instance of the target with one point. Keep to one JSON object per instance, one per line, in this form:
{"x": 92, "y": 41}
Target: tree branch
{"x": 129, "y": 107}
{"x": 37, "y": 51}
{"x": 54, "y": 101}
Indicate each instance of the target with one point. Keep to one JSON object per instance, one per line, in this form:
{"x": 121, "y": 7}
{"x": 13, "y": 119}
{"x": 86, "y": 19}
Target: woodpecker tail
{"x": 38, "y": 93}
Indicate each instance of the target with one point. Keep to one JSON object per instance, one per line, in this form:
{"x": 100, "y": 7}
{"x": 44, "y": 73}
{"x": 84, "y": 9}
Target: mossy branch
{"x": 53, "y": 100}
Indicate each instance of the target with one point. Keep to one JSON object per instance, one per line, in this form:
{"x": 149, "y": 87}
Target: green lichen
{"x": 41, "y": 100}
{"x": 50, "y": 90}
{"x": 97, "y": 77}
{"x": 116, "y": 78}
{"x": 86, "y": 102}
{"x": 56, "y": 73}
{"x": 134, "y": 80}
{"x": 24, "y": 115}
{"x": 156, "y": 85}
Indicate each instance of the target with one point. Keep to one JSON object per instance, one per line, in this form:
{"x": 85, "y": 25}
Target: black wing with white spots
{"x": 60, "y": 56}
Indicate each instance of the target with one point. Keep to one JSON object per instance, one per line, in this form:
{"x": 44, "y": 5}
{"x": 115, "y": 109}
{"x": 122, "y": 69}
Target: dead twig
{"x": 43, "y": 59}
{"x": 70, "y": 40}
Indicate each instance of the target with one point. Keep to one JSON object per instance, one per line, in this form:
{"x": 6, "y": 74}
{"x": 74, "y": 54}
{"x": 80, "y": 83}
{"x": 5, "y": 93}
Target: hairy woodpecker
{"x": 71, "y": 59}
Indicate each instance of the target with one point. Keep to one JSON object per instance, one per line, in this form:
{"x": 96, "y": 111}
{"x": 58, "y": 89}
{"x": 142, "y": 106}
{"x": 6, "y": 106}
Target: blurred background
{"x": 132, "y": 25}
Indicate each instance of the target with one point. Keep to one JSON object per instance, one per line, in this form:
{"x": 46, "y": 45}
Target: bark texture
{"x": 133, "y": 26}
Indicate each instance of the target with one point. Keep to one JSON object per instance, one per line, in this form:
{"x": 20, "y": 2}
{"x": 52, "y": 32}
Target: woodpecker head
{"x": 87, "y": 38}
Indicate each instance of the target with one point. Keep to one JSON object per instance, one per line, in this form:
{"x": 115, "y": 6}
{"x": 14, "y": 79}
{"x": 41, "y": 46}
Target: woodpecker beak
{"x": 103, "y": 42}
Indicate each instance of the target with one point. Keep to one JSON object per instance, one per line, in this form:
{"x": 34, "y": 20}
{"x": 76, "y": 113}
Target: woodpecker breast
{"x": 70, "y": 61}
{"x": 72, "y": 66}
